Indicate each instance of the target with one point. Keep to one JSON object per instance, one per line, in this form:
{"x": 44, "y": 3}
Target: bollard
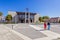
{"x": 12, "y": 26}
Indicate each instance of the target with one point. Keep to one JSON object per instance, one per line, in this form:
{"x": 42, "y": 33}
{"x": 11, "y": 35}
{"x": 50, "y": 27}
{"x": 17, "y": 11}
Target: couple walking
{"x": 46, "y": 25}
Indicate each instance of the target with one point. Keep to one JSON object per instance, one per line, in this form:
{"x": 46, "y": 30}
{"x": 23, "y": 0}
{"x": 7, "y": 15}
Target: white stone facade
{"x": 36, "y": 18}
{"x": 15, "y": 16}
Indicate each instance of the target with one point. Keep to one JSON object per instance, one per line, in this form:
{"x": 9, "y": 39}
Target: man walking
{"x": 48, "y": 25}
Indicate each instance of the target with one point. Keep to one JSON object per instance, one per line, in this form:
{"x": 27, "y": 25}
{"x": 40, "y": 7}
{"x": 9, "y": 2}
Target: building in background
{"x": 2, "y": 19}
{"x": 55, "y": 19}
{"x": 24, "y": 17}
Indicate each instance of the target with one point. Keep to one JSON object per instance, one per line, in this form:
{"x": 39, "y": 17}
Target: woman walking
{"x": 45, "y": 25}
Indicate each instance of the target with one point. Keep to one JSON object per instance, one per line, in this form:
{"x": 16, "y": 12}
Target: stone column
{"x": 25, "y": 17}
{"x": 29, "y": 17}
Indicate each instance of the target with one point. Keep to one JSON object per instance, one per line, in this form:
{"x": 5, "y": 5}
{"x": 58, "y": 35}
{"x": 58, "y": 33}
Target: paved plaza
{"x": 7, "y": 34}
{"x": 29, "y": 32}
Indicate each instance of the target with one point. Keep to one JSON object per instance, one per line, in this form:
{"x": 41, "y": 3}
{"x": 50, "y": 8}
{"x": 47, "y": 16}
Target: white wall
{"x": 36, "y": 18}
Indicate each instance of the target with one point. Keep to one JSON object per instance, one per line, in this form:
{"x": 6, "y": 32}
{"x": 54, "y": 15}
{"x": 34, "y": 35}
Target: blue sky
{"x": 43, "y": 7}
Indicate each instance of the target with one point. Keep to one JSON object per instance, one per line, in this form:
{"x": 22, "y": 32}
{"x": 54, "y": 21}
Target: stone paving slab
{"x": 6, "y": 34}
{"x": 32, "y": 33}
{"x": 10, "y": 36}
{"x": 16, "y": 25}
{"x": 42, "y": 26}
{"x": 57, "y": 39}
{"x": 29, "y": 32}
{"x": 55, "y": 28}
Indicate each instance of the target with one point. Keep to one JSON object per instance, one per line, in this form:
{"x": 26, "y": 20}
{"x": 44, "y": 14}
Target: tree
{"x": 1, "y": 16}
{"x": 1, "y": 13}
{"x": 9, "y": 18}
{"x": 40, "y": 19}
{"x": 45, "y": 17}
{"x": 59, "y": 21}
